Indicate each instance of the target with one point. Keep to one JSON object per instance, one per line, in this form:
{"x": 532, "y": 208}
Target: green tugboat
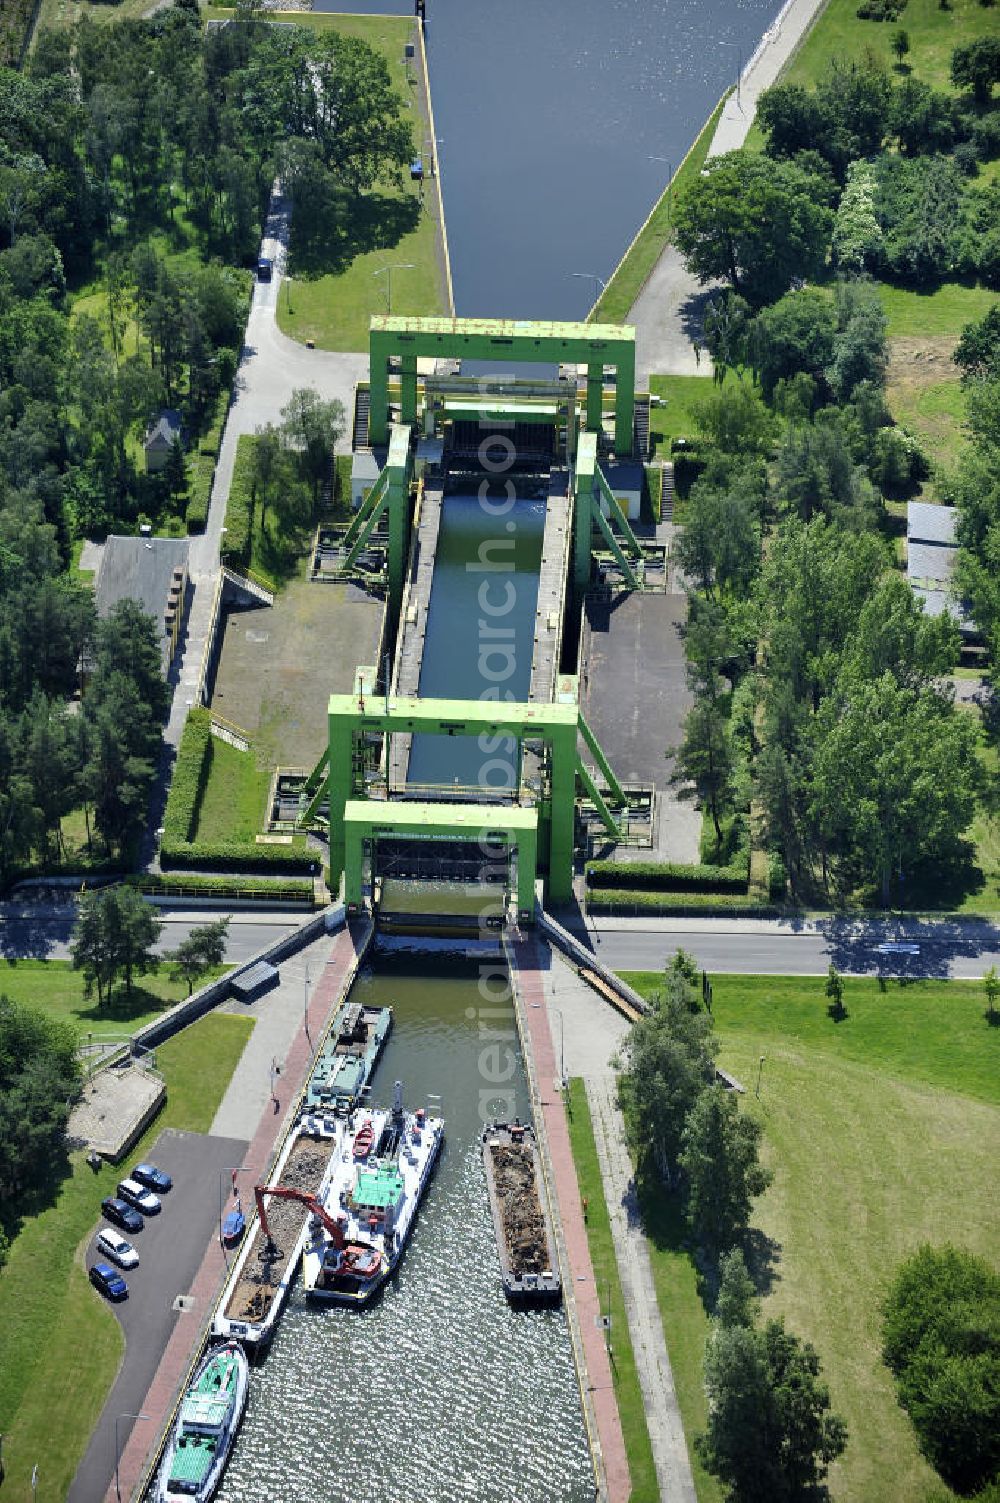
{"x": 207, "y": 1422}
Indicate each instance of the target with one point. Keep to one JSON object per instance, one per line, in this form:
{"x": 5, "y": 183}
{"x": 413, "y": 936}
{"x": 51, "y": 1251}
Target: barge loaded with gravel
{"x": 262, "y": 1275}
{"x": 521, "y": 1215}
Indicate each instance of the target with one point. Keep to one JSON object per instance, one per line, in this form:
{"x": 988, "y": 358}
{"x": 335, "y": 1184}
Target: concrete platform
{"x": 635, "y": 696}
{"x": 116, "y": 1107}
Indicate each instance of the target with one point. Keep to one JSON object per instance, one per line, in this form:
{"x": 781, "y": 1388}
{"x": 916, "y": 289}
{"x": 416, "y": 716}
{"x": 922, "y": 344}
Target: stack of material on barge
{"x": 521, "y": 1215}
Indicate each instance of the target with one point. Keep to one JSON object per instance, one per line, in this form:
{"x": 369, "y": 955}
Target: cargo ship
{"x": 269, "y": 1257}
{"x": 345, "y": 1063}
{"x": 522, "y": 1219}
{"x": 360, "y": 1230}
{"x": 207, "y": 1422}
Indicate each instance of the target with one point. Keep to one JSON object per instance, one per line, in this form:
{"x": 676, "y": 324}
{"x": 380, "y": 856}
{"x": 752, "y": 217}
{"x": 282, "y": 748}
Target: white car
{"x": 139, "y": 1199}
{"x": 114, "y": 1246}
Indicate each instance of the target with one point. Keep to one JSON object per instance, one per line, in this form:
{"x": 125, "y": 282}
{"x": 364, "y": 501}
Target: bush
{"x": 199, "y": 882}
{"x": 180, "y": 819}
{"x": 637, "y": 902}
{"x": 667, "y": 876}
{"x": 880, "y": 10}
{"x": 941, "y": 1339}
{"x": 236, "y": 856}
{"x": 734, "y": 846}
{"x": 239, "y": 507}
{"x": 654, "y": 486}
{"x": 986, "y": 137}
{"x": 201, "y": 467}
{"x": 777, "y": 877}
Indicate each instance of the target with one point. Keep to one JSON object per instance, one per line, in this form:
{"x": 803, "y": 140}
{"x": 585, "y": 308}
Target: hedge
{"x": 654, "y": 485}
{"x": 634, "y": 901}
{"x": 236, "y": 856}
{"x": 668, "y": 876}
{"x": 180, "y": 817}
{"x": 195, "y": 882}
{"x": 239, "y": 507}
{"x": 201, "y": 467}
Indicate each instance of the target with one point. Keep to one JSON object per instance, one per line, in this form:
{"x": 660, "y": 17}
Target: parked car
{"x": 122, "y": 1215}
{"x": 153, "y": 1178}
{"x": 109, "y": 1281}
{"x": 114, "y": 1246}
{"x": 142, "y": 1200}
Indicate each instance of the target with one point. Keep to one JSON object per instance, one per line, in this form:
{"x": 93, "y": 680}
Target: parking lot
{"x": 171, "y": 1248}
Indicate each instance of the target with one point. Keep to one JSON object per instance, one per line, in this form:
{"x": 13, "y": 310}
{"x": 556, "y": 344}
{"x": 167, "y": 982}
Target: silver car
{"x": 114, "y": 1246}
{"x": 139, "y": 1199}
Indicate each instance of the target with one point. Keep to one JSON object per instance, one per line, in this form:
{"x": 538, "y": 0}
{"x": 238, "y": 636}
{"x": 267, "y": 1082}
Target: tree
{"x": 858, "y": 242}
{"x": 703, "y": 762}
{"x": 736, "y": 1304}
{"x": 755, "y": 222}
{"x": 976, "y": 66}
{"x": 978, "y": 350}
{"x": 771, "y": 1434}
{"x": 941, "y": 1339}
{"x": 834, "y": 989}
{"x": 719, "y": 1155}
{"x": 312, "y": 428}
{"x": 991, "y": 983}
{"x": 266, "y": 456}
{"x": 203, "y": 948}
{"x": 39, "y": 1082}
{"x": 900, "y": 44}
{"x": 114, "y": 936}
{"x": 794, "y": 334}
{"x": 668, "y": 1059}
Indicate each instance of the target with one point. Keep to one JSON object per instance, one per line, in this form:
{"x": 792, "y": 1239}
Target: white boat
{"x": 207, "y": 1421}
{"x": 371, "y": 1203}
{"x": 262, "y": 1274}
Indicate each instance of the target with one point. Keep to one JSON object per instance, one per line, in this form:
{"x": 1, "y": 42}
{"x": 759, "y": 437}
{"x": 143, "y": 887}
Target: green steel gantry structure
{"x": 412, "y": 339}
{"x": 539, "y": 822}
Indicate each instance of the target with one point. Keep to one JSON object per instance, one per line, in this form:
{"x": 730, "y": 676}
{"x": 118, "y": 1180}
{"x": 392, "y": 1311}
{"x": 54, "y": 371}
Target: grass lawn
{"x": 602, "y": 1255}
{"x": 934, "y": 34}
{"x": 927, "y": 398}
{"x": 640, "y": 258}
{"x": 880, "y": 1131}
{"x": 60, "y": 13}
{"x": 61, "y": 1344}
{"x": 943, "y": 312}
{"x": 54, "y": 988}
{"x": 333, "y": 307}
{"x": 677, "y": 419}
{"x": 233, "y": 803}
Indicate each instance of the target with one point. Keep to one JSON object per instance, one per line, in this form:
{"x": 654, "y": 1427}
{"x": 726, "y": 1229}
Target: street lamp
{"x": 433, "y": 141}
{"x": 592, "y": 277}
{"x": 233, "y": 1170}
{"x": 760, "y": 1068}
{"x": 395, "y": 266}
{"x": 562, "y": 1048}
{"x": 288, "y": 293}
{"x": 305, "y": 1005}
{"x": 118, "y": 1418}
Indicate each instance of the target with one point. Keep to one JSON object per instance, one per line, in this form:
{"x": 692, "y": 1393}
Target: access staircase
{"x": 362, "y": 407}
{"x": 640, "y": 428}
{"x": 667, "y": 493}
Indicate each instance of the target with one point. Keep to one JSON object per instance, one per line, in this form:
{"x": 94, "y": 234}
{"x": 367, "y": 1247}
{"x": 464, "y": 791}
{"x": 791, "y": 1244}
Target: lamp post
{"x": 670, "y": 180}
{"x": 592, "y": 277}
{"x": 288, "y": 293}
{"x": 395, "y": 266}
{"x": 233, "y": 1170}
{"x": 431, "y": 142}
{"x": 562, "y": 1048}
{"x": 760, "y": 1069}
{"x": 118, "y": 1419}
{"x": 305, "y": 1005}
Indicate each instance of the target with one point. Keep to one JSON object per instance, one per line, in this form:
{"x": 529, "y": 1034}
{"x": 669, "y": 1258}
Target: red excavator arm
{"x": 285, "y": 1192}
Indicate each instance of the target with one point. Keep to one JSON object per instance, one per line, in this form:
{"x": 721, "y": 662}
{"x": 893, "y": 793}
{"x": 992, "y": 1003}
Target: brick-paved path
{"x": 582, "y": 1291}
{"x": 177, "y": 1358}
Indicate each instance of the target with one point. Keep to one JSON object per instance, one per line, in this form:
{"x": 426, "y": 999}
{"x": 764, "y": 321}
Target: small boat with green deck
{"x": 345, "y": 1063}
{"x": 207, "y": 1421}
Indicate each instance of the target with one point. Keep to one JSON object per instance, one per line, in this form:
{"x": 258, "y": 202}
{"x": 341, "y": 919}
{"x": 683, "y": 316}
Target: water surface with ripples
{"x": 439, "y": 1392}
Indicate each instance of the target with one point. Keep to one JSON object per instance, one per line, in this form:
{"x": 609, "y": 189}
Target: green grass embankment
{"x": 61, "y": 1343}
{"x": 880, "y": 1131}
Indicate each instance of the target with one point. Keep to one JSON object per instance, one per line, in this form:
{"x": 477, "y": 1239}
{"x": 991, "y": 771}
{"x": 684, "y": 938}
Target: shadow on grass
{"x": 330, "y": 239}
{"x": 125, "y": 1009}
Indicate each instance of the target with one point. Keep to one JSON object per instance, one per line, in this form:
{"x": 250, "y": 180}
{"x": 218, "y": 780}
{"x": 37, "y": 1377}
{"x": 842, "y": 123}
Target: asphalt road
{"x": 955, "y": 947}
{"x": 171, "y": 1248}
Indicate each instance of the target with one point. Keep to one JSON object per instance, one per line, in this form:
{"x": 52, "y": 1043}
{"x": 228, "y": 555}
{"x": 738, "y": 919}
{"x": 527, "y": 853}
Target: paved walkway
{"x": 659, "y": 1397}
{"x": 668, "y": 310}
{"x": 582, "y": 1298}
{"x": 158, "y": 1404}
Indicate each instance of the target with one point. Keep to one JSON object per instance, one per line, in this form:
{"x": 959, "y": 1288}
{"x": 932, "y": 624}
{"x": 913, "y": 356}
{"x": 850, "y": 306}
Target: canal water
{"x": 472, "y": 650}
{"x": 439, "y": 1392}
{"x": 551, "y": 116}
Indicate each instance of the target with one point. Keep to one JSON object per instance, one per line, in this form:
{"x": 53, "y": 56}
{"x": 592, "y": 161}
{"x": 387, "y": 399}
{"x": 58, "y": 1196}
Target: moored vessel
{"x": 347, "y": 1059}
{"x": 522, "y": 1218}
{"x": 371, "y": 1203}
{"x": 207, "y": 1421}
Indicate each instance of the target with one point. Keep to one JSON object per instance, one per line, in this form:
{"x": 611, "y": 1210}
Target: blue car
{"x": 122, "y": 1215}
{"x": 152, "y": 1178}
{"x": 109, "y": 1281}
